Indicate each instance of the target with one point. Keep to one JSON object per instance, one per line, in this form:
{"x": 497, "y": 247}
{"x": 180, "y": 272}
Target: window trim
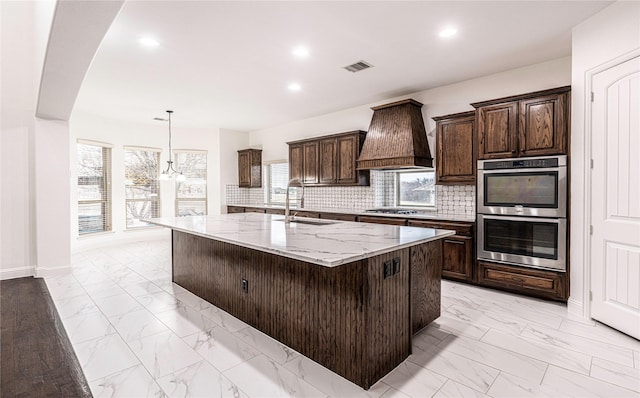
{"x": 206, "y": 192}
{"x": 397, "y": 188}
{"x": 107, "y": 202}
{"x": 158, "y": 151}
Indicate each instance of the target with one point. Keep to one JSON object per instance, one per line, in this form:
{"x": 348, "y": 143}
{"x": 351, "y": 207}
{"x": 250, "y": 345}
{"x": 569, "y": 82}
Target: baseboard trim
{"x": 575, "y": 307}
{"x": 51, "y": 272}
{"x": 18, "y": 272}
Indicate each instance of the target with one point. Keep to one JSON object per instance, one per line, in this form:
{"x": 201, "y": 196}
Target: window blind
{"x": 277, "y": 179}
{"x": 94, "y": 188}
{"x": 142, "y": 188}
{"x": 191, "y": 194}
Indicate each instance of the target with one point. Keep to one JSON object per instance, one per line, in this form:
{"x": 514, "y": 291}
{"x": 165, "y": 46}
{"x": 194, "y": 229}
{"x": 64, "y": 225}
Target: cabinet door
{"x": 458, "y": 259}
{"x": 497, "y": 131}
{"x": 310, "y": 162}
{"x": 244, "y": 169}
{"x": 456, "y": 151}
{"x": 255, "y": 160}
{"x": 347, "y": 156}
{"x": 543, "y": 125}
{"x": 295, "y": 161}
{"x": 328, "y": 161}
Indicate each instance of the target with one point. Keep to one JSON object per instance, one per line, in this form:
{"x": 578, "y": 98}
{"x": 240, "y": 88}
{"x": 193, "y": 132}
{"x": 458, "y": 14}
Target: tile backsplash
{"x": 453, "y": 200}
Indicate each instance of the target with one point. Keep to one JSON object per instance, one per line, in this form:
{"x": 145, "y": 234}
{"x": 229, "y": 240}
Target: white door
{"x": 615, "y": 197}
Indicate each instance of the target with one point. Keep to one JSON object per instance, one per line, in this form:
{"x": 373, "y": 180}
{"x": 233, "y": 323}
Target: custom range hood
{"x": 396, "y": 139}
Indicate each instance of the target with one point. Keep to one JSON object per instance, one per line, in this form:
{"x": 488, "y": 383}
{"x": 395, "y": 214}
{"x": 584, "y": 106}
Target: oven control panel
{"x": 523, "y": 163}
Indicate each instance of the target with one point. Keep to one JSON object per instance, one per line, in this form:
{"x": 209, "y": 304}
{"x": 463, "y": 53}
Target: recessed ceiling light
{"x": 300, "y": 52}
{"x": 294, "y": 87}
{"x": 147, "y": 41}
{"x": 448, "y": 32}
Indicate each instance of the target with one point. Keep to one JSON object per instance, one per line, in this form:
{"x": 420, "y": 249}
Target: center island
{"x": 347, "y": 295}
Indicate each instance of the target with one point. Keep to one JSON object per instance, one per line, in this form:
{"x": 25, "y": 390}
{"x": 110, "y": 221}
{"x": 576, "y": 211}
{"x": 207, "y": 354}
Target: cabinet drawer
{"x": 461, "y": 228}
{"x": 275, "y": 211}
{"x": 340, "y": 217}
{"x": 253, "y": 210}
{"x": 308, "y": 214}
{"x": 235, "y": 209}
{"x": 383, "y": 220}
{"x": 538, "y": 283}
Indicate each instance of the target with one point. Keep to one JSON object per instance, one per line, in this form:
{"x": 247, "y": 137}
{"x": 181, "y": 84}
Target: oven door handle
{"x": 523, "y": 219}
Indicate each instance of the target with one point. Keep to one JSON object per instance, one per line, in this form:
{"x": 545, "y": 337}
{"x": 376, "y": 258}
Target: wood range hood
{"x": 397, "y": 138}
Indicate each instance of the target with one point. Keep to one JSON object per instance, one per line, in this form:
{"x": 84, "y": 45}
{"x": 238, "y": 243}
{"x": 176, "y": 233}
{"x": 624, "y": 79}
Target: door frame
{"x": 588, "y": 135}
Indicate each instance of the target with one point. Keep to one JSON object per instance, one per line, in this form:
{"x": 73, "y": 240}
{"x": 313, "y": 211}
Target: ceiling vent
{"x": 358, "y": 66}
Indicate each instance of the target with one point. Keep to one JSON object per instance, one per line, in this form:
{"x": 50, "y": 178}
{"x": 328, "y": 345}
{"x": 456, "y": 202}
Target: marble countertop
{"x": 331, "y": 244}
{"x": 420, "y": 215}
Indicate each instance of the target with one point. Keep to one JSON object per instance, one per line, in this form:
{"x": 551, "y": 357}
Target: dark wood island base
{"x": 356, "y": 319}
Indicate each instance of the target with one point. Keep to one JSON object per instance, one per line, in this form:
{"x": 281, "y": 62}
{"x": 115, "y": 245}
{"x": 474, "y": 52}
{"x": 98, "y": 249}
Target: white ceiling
{"x": 228, "y": 64}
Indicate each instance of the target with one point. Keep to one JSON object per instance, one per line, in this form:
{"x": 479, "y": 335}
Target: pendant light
{"x": 170, "y": 171}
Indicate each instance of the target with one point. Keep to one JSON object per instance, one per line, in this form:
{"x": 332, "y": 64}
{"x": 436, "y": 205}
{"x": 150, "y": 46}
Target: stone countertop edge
{"x": 297, "y": 250}
{"x": 420, "y": 215}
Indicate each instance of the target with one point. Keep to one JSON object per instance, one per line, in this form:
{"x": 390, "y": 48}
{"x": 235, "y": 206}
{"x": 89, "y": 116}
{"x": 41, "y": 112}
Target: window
{"x": 94, "y": 187}
{"x": 142, "y": 189}
{"x": 191, "y": 194}
{"x": 416, "y": 188}
{"x": 277, "y": 177}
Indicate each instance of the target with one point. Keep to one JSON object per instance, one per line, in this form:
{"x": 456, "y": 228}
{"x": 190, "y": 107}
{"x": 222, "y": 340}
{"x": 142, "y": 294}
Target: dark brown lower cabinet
{"x": 235, "y": 209}
{"x": 459, "y": 255}
{"x": 383, "y": 220}
{"x": 275, "y": 211}
{"x": 533, "y": 282}
{"x": 254, "y": 210}
{"x": 339, "y": 216}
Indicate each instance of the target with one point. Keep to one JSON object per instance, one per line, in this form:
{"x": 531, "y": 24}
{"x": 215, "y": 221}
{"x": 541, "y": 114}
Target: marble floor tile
{"x": 482, "y": 337}
{"x": 87, "y": 327}
{"x": 271, "y": 347}
{"x": 64, "y": 287}
{"x": 185, "y": 321}
{"x": 456, "y": 367}
{"x": 199, "y": 380}
{"x": 221, "y": 348}
{"x": 600, "y": 332}
{"x": 224, "y": 319}
{"x": 576, "y": 385}
{"x": 141, "y": 288}
{"x": 509, "y": 386}
{"x": 117, "y": 305}
{"x": 103, "y": 290}
{"x": 414, "y": 380}
{"x": 459, "y": 327}
{"x": 611, "y": 372}
{"x": 262, "y": 377}
{"x": 594, "y": 348}
{"x": 164, "y": 353}
{"x": 104, "y": 356}
{"x": 193, "y": 301}
{"x": 451, "y": 389}
{"x": 562, "y": 357}
{"x": 497, "y": 357}
{"x": 134, "y": 382}
{"x": 331, "y": 383}
{"x": 135, "y": 325}
{"x": 159, "y": 302}
{"x": 75, "y": 306}
{"x": 486, "y": 318}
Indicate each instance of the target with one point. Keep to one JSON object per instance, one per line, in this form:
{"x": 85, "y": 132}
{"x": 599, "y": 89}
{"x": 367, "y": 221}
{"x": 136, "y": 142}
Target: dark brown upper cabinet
{"x": 250, "y": 168}
{"x": 455, "y": 149}
{"x": 530, "y": 124}
{"x": 328, "y": 160}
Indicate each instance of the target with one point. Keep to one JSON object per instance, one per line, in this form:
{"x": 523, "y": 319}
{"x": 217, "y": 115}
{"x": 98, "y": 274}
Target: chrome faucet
{"x": 287, "y": 217}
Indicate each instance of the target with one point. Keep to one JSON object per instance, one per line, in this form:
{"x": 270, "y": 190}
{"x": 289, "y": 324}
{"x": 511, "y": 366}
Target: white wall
{"x": 24, "y": 31}
{"x": 438, "y": 101}
{"x": 221, "y": 147}
{"x": 607, "y": 35}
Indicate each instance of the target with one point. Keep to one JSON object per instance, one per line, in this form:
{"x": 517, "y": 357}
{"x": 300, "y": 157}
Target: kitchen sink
{"x": 308, "y": 221}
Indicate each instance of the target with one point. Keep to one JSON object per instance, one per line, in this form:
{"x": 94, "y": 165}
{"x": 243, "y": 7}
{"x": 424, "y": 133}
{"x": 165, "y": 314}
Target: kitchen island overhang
{"x": 346, "y": 295}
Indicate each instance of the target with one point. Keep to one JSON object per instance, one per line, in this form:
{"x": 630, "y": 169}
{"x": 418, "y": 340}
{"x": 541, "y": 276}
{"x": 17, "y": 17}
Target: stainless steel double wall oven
{"x": 522, "y": 211}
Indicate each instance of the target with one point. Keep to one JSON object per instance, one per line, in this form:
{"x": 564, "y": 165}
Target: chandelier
{"x": 170, "y": 171}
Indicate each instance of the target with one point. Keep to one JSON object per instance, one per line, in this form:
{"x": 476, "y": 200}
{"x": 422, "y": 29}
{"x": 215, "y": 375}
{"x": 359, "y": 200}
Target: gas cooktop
{"x": 392, "y": 211}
